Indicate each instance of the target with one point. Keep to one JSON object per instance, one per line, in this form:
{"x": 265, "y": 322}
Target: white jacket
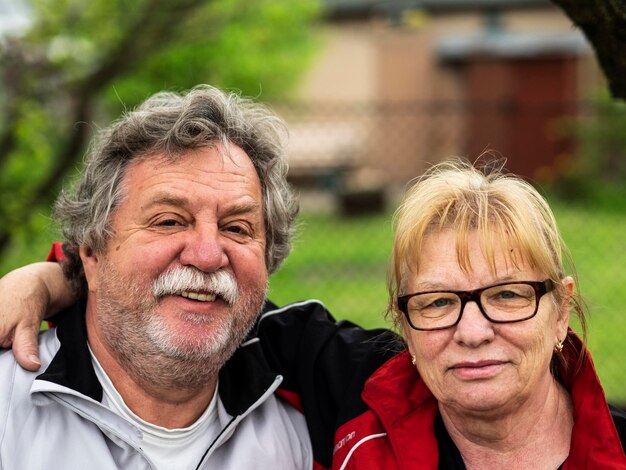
{"x": 55, "y": 419}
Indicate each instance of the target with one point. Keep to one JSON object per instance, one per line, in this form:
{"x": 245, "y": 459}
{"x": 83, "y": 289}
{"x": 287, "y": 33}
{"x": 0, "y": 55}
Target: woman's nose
{"x": 473, "y": 329}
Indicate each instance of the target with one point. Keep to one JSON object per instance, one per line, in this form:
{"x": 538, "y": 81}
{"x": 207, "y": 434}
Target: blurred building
{"x": 403, "y": 82}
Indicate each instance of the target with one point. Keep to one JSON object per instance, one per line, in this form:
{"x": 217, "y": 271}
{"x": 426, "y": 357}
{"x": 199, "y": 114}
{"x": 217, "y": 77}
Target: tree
{"x": 83, "y": 61}
{"x": 604, "y": 24}
{"x": 599, "y": 171}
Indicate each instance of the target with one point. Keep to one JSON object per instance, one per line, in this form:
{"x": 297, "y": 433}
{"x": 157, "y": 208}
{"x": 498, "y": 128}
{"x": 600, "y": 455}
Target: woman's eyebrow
{"x": 443, "y": 286}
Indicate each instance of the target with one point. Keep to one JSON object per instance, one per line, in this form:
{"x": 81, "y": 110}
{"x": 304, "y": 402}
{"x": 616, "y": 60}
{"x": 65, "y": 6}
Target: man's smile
{"x": 199, "y": 296}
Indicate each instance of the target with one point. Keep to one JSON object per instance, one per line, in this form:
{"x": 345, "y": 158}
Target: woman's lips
{"x": 478, "y": 370}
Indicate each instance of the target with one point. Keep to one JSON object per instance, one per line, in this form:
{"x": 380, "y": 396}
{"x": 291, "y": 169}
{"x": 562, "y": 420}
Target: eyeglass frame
{"x": 541, "y": 288}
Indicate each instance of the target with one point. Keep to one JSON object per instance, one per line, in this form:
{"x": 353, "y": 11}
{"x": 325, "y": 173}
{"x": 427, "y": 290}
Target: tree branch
{"x": 604, "y": 24}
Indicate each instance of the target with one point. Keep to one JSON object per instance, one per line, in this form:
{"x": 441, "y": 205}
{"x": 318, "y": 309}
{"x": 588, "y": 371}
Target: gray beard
{"x": 142, "y": 344}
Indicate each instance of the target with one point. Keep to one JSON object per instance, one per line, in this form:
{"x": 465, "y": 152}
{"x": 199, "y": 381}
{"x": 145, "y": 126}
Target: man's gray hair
{"x": 170, "y": 124}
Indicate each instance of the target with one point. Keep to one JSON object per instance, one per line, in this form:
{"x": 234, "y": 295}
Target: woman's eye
{"x": 508, "y": 295}
{"x": 440, "y": 303}
{"x": 428, "y": 303}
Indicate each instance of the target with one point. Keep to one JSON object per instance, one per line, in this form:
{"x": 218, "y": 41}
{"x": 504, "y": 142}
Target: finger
{"x": 25, "y": 346}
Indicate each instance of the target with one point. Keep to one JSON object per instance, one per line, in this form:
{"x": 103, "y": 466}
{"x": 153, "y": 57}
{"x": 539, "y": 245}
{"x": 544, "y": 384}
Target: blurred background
{"x": 373, "y": 91}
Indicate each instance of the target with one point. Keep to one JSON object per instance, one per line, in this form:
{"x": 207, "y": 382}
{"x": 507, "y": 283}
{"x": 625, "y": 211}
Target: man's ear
{"x": 90, "y": 261}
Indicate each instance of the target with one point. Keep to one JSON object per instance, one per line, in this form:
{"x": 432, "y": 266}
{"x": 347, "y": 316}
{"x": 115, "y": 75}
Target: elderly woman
{"x": 490, "y": 375}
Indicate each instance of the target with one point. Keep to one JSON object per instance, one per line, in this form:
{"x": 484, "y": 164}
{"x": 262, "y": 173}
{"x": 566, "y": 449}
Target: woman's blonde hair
{"x": 505, "y": 211}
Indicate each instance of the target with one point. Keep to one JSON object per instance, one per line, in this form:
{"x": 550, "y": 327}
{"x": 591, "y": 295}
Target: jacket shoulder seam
{"x": 358, "y": 444}
{"x": 289, "y": 307}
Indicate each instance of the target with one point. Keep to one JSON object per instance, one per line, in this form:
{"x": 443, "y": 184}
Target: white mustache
{"x": 189, "y": 279}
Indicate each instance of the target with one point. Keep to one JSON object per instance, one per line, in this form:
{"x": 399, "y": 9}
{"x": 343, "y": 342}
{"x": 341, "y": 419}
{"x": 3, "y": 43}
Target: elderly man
{"x": 182, "y": 211}
{"x": 179, "y": 216}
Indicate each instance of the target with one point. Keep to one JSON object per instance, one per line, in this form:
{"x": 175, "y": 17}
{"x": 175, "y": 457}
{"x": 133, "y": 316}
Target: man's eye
{"x": 238, "y": 229}
{"x": 168, "y": 223}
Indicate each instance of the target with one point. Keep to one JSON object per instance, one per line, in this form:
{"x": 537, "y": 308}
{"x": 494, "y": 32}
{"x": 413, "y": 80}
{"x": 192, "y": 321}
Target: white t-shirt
{"x": 168, "y": 449}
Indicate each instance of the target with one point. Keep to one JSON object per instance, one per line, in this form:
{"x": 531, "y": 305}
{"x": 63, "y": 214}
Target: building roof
{"x": 457, "y": 48}
{"x": 340, "y": 9}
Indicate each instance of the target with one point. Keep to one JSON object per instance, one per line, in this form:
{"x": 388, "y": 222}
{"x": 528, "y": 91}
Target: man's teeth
{"x": 197, "y": 296}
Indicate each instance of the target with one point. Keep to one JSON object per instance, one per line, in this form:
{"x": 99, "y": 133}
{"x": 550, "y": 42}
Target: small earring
{"x": 558, "y": 347}
{"x": 413, "y": 359}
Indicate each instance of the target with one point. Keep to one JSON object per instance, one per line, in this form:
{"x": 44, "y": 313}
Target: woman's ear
{"x": 405, "y": 331}
{"x": 90, "y": 264}
{"x": 565, "y": 307}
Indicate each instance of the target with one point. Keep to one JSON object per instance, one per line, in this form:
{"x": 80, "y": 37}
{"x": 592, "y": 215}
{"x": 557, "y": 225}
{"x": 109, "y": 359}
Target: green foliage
{"x": 262, "y": 53}
{"x": 603, "y": 140}
{"x": 26, "y": 165}
{"x": 82, "y": 62}
{"x": 601, "y": 153}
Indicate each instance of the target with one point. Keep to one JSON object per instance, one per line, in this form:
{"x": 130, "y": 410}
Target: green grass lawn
{"x": 343, "y": 262}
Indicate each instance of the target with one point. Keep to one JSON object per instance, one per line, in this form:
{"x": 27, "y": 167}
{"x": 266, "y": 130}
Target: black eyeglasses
{"x": 508, "y": 302}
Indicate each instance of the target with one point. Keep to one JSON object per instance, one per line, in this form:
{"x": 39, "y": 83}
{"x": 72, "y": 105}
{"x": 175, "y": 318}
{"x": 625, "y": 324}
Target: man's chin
{"x": 192, "y": 311}
{"x": 182, "y": 339}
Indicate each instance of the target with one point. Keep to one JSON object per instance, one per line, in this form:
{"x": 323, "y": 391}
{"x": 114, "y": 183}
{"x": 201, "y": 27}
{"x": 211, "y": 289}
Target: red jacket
{"x": 397, "y": 432}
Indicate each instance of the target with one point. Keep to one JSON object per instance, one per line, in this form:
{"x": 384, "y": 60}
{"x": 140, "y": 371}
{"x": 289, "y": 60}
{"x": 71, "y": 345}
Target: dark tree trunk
{"x": 604, "y": 24}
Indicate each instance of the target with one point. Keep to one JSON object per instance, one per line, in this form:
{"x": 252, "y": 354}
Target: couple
{"x": 168, "y": 356}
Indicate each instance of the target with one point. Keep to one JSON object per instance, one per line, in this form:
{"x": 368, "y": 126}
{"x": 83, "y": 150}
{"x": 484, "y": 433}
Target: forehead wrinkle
{"x": 226, "y": 156}
{"x": 227, "y": 176}
{"x": 483, "y": 270}
{"x": 214, "y": 180}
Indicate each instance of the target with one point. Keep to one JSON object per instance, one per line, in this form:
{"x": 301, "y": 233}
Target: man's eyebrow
{"x": 237, "y": 208}
{"x": 167, "y": 200}
{"x": 243, "y": 208}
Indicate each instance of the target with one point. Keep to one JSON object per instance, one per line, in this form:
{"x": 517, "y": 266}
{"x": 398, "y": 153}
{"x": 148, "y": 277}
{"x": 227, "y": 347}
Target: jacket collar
{"x": 71, "y": 366}
{"x": 407, "y": 411}
{"x": 595, "y": 442}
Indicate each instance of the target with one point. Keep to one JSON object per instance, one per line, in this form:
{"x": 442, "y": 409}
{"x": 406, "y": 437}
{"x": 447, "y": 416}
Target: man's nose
{"x": 473, "y": 328}
{"x": 203, "y": 248}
